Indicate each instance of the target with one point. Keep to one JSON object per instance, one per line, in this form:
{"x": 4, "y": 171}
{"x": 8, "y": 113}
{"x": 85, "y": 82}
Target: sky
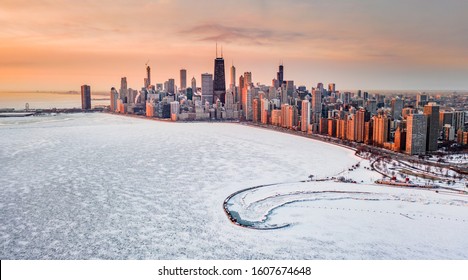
{"x": 357, "y": 44}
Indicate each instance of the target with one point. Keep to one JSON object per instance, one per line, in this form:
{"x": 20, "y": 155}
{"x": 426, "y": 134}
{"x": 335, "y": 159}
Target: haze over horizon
{"x": 60, "y": 45}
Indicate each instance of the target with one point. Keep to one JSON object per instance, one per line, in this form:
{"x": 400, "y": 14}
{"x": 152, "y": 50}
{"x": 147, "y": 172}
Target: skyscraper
{"x": 189, "y": 93}
{"x": 360, "y": 123}
{"x": 421, "y": 100}
{"x": 229, "y": 103}
{"x": 400, "y": 139}
{"x": 241, "y": 91}
{"x": 320, "y": 86}
{"x": 331, "y": 87}
{"x": 290, "y": 89}
{"x": 241, "y": 82}
{"x": 247, "y": 101}
{"x": 245, "y": 83}
{"x": 233, "y": 77}
{"x": 114, "y": 96}
{"x": 416, "y": 131}
{"x": 351, "y": 127}
{"x": 346, "y": 97}
{"x": 207, "y": 88}
{"x": 381, "y": 129}
{"x": 183, "y": 79}
{"x": 123, "y": 89}
{"x": 194, "y": 85}
{"x": 280, "y": 75}
{"x": 458, "y": 120}
{"x": 232, "y": 85}
{"x": 148, "y": 76}
{"x": 305, "y": 115}
{"x": 171, "y": 86}
{"x": 432, "y": 113}
{"x": 219, "y": 82}
{"x": 247, "y": 79}
{"x": 371, "y": 106}
{"x": 85, "y": 97}
{"x": 316, "y": 108}
{"x": 397, "y": 108}
{"x": 445, "y": 117}
{"x": 365, "y": 95}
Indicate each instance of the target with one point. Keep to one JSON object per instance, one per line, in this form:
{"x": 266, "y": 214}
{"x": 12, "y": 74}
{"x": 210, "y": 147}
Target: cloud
{"x": 258, "y": 36}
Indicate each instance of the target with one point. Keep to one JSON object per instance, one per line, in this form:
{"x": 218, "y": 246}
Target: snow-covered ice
{"x": 87, "y": 186}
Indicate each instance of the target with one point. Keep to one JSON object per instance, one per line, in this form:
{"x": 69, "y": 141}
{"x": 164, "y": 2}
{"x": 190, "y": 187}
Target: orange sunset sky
{"x": 358, "y": 44}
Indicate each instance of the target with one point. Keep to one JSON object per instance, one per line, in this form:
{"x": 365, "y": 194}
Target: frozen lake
{"x": 99, "y": 186}
{"x": 47, "y": 100}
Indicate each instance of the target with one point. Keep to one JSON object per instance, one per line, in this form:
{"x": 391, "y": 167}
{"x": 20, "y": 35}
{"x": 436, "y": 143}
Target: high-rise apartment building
{"x": 114, "y": 96}
{"x": 85, "y": 97}
{"x": 397, "y": 108}
{"x": 432, "y": 113}
{"x": 316, "y": 108}
{"x": 371, "y": 106}
{"x": 360, "y": 122}
{"x": 381, "y": 129}
{"x": 445, "y": 117}
{"x": 458, "y": 120}
{"x": 406, "y": 112}
{"x": 305, "y": 115}
{"x": 416, "y": 131}
{"x": 256, "y": 110}
{"x": 400, "y": 140}
{"x": 351, "y": 128}
{"x": 331, "y": 127}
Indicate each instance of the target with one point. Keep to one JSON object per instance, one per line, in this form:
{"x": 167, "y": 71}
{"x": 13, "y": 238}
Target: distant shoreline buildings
{"x": 415, "y": 126}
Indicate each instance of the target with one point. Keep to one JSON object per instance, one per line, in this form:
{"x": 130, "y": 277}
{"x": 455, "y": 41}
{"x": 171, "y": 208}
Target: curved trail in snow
{"x": 274, "y": 202}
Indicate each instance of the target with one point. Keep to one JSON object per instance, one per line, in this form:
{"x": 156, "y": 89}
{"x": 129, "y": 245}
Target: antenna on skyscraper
{"x": 221, "y": 51}
{"x": 216, "y": 49}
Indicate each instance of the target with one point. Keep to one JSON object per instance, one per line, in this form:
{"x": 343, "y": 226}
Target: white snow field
{"x": 100, "y": 186}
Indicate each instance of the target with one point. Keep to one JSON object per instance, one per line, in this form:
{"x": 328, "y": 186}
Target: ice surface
{"x": 99, "y": 186}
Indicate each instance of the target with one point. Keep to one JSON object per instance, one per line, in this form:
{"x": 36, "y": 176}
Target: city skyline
{"x": 357, "y": 45}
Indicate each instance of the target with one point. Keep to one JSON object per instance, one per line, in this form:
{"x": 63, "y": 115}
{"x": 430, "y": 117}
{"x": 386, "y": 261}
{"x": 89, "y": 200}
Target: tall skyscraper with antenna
{"x": 148, "y": 76}
{"x": 219, "y": 79}
{"x": 280, "y": 74}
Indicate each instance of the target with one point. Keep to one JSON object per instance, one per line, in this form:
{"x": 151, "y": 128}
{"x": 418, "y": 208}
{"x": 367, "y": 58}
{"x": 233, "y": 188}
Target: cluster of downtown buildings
{"x": 399, "y": 123}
